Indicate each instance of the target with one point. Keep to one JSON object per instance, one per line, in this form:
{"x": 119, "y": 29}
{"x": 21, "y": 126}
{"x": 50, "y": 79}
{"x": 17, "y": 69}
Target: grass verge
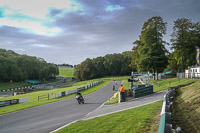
{"x": 186, "y": 109}
{"x": 129, "y": 121}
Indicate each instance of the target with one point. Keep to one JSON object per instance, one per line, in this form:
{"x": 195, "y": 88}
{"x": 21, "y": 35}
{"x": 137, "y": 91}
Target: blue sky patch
{"x": 1, "y": 13}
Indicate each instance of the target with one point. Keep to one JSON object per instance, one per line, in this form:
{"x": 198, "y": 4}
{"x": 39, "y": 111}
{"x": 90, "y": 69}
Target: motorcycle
{"x": 80, "y": 99}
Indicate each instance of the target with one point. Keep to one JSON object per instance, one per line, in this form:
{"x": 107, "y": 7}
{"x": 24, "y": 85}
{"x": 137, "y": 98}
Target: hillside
{"x": 186, "y": 109}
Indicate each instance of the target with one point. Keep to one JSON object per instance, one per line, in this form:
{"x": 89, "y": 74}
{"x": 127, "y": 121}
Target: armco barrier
{"x": 65, "y": 93}
{"x": 13, "y": 101}
{"x": 165, "y": 125}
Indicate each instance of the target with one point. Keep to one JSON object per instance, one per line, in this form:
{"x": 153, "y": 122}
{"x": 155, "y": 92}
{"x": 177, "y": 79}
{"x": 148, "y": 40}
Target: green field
{"x": 137, "y": 120}
{"x": 66, "y": 72}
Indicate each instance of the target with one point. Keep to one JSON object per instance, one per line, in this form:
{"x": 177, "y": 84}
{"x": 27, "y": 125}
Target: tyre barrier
{"x": 165, "y": 125}
{"x": 13, "y": 89}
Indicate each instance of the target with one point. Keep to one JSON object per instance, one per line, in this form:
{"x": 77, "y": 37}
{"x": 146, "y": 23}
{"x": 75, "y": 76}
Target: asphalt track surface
{"x": 46, "y": 118}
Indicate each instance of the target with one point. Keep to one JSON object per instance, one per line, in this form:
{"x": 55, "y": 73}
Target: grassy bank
{"x": 186, "y": 109}
{"x": 66, "y": 72}
{"x": 130, "y": 121}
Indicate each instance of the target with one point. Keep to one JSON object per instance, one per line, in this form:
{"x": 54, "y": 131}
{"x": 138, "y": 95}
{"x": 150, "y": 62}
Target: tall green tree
{"x": 185, "y": 36}
{"x": 150, "y": 50}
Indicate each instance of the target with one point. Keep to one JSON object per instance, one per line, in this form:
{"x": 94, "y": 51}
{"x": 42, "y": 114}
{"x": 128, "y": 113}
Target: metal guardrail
{"x": 165, "y": 125}
{"x": 65, "y": 93}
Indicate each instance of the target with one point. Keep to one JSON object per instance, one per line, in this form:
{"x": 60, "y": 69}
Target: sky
{"x": 69, "y": 31}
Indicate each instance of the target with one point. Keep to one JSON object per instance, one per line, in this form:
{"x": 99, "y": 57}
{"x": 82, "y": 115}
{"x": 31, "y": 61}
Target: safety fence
{"x": 165, "y": 125}
{"x": 47, "y": 86}
{"x": 144, "y": 90}
{"x": 43, "y": 97}
{"x": 13, "y": 101}
{"x": 33, "y": 87}
{"x": 65, "y": 93}
{"x": 13, "y": 89}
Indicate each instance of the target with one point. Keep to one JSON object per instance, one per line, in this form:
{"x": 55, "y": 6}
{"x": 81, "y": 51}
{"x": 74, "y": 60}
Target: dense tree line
{"x": 18, "y": 67}
{"x": 66, "y": 65}
{"x": 109, "y": 65}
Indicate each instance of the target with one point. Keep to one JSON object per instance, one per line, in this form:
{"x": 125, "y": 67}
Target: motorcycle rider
{"x": 79, "y": 95}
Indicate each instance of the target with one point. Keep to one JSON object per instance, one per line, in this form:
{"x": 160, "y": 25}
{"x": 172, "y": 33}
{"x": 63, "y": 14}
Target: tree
{"x": 185, "y": 36}
{"x": 85, "y": 70}
{"x": 150, "y": 50}
{"x": 180, "y": 39}
{"x": 99, "y": 69}
{"x": 126, "y": 63}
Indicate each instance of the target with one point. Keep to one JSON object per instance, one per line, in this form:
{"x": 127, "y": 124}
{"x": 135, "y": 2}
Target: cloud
{"x": 40, "y": 45}
{"x": 70, "y": 31}
{"x": 114, "y": 7}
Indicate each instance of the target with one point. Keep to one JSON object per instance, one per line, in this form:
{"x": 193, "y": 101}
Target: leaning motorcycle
{"x": 80, "y": 99}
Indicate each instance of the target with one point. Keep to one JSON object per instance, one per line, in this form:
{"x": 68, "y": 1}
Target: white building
{"x": 192, "y": 72}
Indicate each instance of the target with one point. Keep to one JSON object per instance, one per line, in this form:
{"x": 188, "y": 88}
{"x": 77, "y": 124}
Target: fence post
{"x": 119, "y": 99}
{"x": 48, "y": 96}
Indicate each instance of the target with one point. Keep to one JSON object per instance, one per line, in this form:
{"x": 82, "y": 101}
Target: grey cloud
{"x": 93, "y": 32}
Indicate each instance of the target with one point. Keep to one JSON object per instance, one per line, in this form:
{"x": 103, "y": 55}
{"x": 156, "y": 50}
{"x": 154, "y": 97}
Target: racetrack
{"x": 46, "y": 118}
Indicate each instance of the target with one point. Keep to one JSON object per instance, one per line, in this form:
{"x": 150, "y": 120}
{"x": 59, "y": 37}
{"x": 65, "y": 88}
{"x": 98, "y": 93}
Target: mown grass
{"x": 66, "y": 72}
{"x": 129, "y": 121}
{"x": 186, "y": 109}
{"x": 33, "y": 97}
